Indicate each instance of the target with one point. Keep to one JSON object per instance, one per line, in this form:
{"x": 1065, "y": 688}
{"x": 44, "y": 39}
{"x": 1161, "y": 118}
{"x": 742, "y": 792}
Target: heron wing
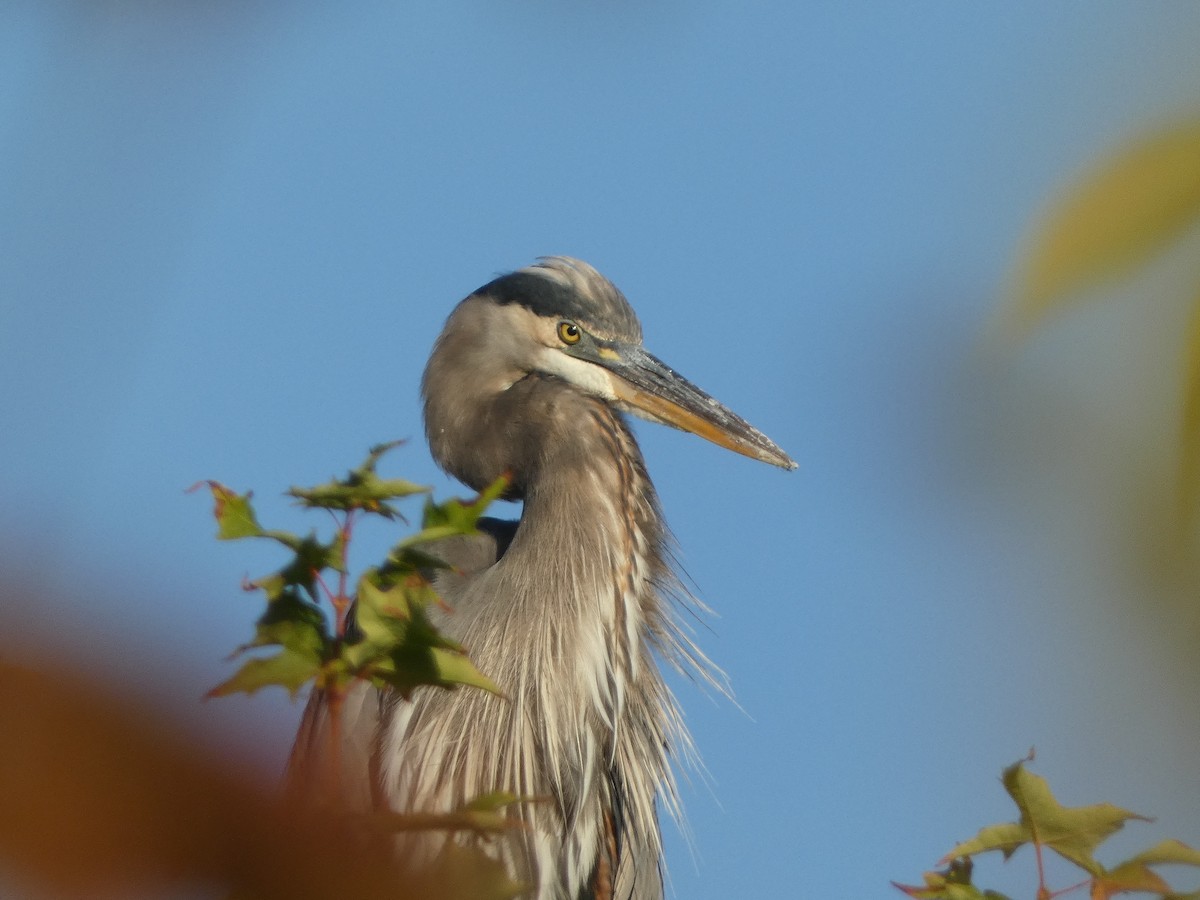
{"x": 311, "y": 772}
{"x": 638, "y": 876}
{"x": 634, "y": 863}
{"x": 468, "y": 555}
{"x": 346, "y": 775}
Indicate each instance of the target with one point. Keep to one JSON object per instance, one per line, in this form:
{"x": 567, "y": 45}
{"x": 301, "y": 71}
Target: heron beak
{"x": 649, "y": 388}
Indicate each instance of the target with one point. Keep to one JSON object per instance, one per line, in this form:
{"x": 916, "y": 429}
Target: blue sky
{"x": 230, "y": 233}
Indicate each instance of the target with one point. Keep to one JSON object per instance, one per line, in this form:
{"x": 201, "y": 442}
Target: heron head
{"x": 562, "y": 318}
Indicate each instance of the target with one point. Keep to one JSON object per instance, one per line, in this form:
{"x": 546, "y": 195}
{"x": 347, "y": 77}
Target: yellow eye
{"x": 569, "y": 332}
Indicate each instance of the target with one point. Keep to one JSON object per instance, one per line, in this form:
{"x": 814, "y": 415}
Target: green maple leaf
{"x": 233, "y": 512}
{"x": 951, "y": 883}
{"x": 400, "y": 646}
{"x": 312, "y": 557}
{"x": 395, "y": 642}
{"x": 236, "y": 518}
{"x": 287, "y": 668}
{"x": 1071, "y": 832}
{"x": 454, "y": 517}
{"x": 1125, "y": 878}
{"x": 299, "y": 629}
{"x": 1135, "y": 873}
{"x": 361, "y": 489}
{"x": 1168, "y": 852}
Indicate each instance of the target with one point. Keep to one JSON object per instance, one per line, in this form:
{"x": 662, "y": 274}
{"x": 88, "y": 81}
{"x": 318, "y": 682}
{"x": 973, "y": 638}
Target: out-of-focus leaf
{"x": 371, "y": 494}
{"x": 480, "y": 816}
{"x": 1189, "y": 455}
{"x": 103, "y": 798}
{"x": 1125, "y": 878}
{"x": 1007, "y": 838}
{"x": 1135, "y": 873}
{"x": 1127, "y": 209}
{"x": 1167, "y": 853}
{"x": 486, "y": 809}
{"x": 1071, "y": 832}
{"x": 470, "y": 872}
{"x": 933, "y": 889}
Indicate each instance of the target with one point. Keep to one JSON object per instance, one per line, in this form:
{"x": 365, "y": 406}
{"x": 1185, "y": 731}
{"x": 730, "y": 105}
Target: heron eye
{"x": 569, "y": 332}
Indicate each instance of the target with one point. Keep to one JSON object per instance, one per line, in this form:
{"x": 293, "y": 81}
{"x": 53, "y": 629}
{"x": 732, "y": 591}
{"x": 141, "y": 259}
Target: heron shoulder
{"x": 468, "y": 555}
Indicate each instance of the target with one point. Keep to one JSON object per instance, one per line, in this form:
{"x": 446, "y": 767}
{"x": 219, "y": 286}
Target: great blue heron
{"x": 566, "y": 609}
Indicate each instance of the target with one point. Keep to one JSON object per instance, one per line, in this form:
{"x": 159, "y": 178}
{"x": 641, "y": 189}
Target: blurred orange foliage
{"x": 97, "y": 799}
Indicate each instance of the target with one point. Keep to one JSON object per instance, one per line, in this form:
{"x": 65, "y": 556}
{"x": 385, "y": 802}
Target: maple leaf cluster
{"x": 390, "y": 640}
{"x": 1072, "y": 832}
{"x": 381, "y": 633}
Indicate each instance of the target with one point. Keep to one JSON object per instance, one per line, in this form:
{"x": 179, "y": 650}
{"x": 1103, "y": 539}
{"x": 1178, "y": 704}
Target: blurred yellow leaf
{"x": 1189, "y": 456}
{"x": 1127, "y": 209}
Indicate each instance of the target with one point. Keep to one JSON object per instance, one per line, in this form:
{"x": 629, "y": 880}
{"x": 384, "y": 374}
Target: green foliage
{"x": 382, "y": 632}
{"x": 361, "y": 489}
{"x": 1073, "y": 833}
{"x": 400, "y": 646}
{"x": 951, "y": 883}
{"x": 395, "y": 643}
{"x": 299, "y": 629}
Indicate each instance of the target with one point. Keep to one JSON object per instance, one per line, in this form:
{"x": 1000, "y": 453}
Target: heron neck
{"x": 590, "y": 532}
{"x": 591, "y": 535}
{"x": 590, "y": 510}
